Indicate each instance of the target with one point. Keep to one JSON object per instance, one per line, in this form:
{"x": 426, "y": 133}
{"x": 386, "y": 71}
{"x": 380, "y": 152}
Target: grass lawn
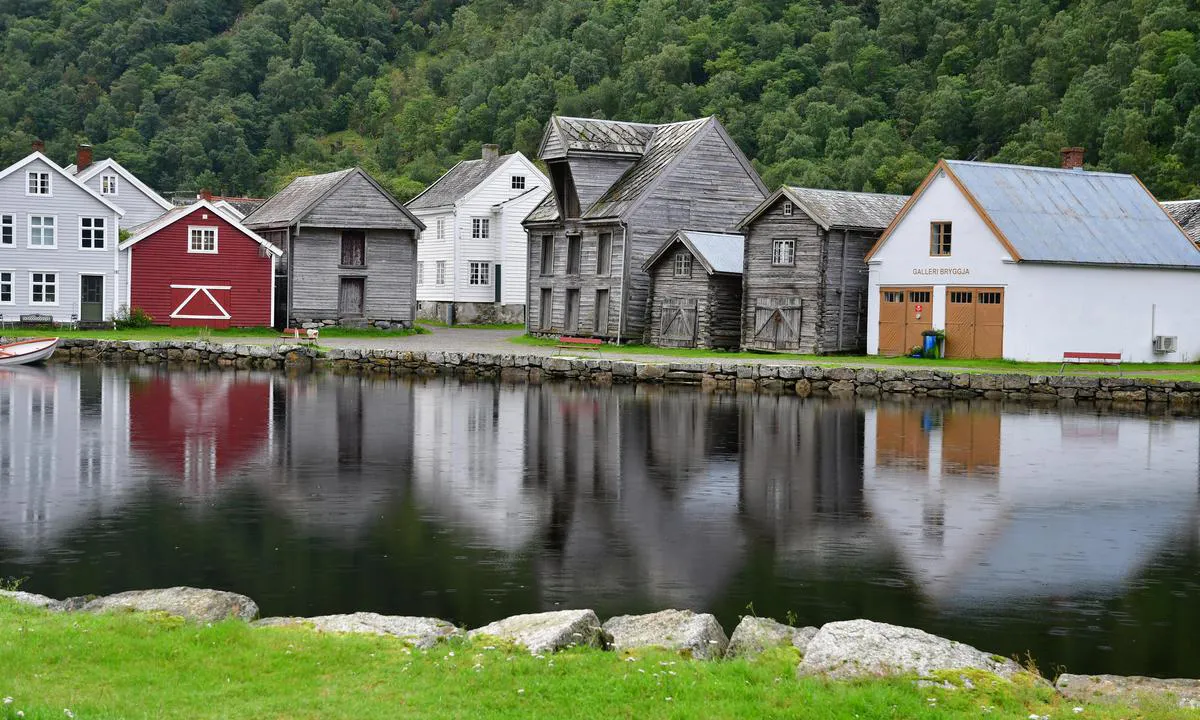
{"x": 160, "y": 332}
{"x": 151, "y": 666}
{"x": 1170, "y": 371}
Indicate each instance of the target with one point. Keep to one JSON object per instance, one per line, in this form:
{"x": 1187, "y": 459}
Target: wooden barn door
{"x": 975, "y": 323}
{"x": 918, "y": 317}
{"x": 777, "y": 324}
{"x": 960, "y": 322}
{"x": 350, "y": 297}
{"x": 989, "y": 322}
{"x": 891, "y": 322}
{"x": 678, "y": 322}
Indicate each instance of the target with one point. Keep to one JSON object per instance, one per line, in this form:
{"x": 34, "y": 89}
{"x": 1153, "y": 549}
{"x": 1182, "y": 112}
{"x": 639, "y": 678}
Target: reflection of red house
{"x": 197, "y": 265}
{"x": 200, "y": 426}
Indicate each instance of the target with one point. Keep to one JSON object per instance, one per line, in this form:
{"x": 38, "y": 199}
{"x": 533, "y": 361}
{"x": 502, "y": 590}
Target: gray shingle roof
{"x": 458, "y": 181}
{"x": 289, "y": 204}
{"x": 1187, "y": 214}
{"x": 591, "y": 135}
{"x": 546, "y": 211}
{"x": 717, "y": 252}
{"x": 844, "y": 209}
{"x": 1073, "y": 216}
{"x": 667, "y": 143}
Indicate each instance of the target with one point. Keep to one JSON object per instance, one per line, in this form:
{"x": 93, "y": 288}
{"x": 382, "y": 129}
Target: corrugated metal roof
{"x": 1073, "y": 216}
{"x": 667, "y": 142}
{"x": 458, "y": 181}
{"x": 723, "y": 252}
{"x": 286, "y": 206}
{"x": 1187, "y": 214}
{"x": 844, "y": 209}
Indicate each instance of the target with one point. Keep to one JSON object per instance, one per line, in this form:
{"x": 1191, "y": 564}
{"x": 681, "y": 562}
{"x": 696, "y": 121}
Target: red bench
{"x": 1087, "y": 358}
{"x": 566, "y": 342}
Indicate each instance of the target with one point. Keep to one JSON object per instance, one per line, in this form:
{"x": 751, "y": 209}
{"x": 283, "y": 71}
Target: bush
{"x": 136, "y": 318}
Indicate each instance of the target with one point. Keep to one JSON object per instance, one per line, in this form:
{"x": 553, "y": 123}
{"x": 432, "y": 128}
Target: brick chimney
{"x": 39, "y": 146}
{"x": 1072, "y": 158}
{"x": 491, "y": 152}
{"x": 206, "y": 194}
{"x": 83, "y": 157}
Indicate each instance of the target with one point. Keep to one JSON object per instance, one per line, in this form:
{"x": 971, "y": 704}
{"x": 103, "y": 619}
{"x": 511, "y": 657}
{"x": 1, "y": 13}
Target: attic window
{"x": 108, "y": 184}
{"x": 683, "y": 265}
{"x": 939, "y": 239}
{"x": 787, "y": 208}
{"x": 518, "y": 182}
{"x": 37, "y": 183}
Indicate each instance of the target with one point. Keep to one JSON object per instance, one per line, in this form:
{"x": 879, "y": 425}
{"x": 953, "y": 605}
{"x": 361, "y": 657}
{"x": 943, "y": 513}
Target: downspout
{"x": 450, "y": 313}
{"x": 842, "y": 291}
{"x": 291, "y": 274}
{"x": 624, "y": 274}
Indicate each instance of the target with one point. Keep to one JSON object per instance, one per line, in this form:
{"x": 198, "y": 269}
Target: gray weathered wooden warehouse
{"x": 350, "y": 251}
{"x": 804, "y": 282}
{"x": 619, "y": 191}
{"x": 696, "y": 291}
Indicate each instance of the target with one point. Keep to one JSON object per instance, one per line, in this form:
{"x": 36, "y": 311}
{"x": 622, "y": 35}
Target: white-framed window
{"x": 6, "y": 229}
{"x": 202, "y": 240}
{"x": 480, "y": 273}
{"x": 421, "y": 273}
{"x": 683, "y": 265}
{"x": 108, "y": 184}
{"x": 43, "y": 288}
{"x": 6, "y": 287}
{"x": 480, "y": 228}
{"x": 939, "y": 239}
{"x": 787, "y": 208}
{"x": 43, "y": 231}
{"x": 518, "y": 182}
{"x": 91, "y": 233}
{"x": 784, "y": 252}
{"x": 441, "y": 228}
{"x": 37, "y": 182}
{"x": 441, "y": 272}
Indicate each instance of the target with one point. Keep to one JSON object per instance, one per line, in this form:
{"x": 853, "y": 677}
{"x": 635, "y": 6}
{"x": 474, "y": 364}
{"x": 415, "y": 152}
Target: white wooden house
{"x": 471, "y": 260}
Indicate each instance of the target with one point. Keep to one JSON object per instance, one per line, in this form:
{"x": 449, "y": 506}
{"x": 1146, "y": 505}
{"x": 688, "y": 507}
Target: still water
{"x": 1071, "y": 537}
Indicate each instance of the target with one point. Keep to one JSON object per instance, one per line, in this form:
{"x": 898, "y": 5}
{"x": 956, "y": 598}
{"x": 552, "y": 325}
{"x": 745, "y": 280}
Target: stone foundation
{"x": 471, "y": 313}
{"x": 309, "y": 323}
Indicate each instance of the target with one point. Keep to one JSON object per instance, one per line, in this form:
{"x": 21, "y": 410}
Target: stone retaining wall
{"x": 711, "y": 375}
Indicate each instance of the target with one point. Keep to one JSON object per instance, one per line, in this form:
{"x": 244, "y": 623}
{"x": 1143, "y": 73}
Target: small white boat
{"x": 27, "y": 351}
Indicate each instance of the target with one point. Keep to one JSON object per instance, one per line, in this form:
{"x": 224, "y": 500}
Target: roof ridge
{"x": 847, "y": 192}
{"x": 1042, "y": 168}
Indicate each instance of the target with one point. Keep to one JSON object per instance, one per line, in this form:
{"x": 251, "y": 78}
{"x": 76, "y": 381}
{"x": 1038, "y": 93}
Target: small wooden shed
{"x": 695, "y": 291}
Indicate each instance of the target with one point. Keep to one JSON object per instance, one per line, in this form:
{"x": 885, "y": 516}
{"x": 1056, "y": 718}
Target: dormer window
{"x": 787, "y": 208}
{"x": 518, "y": 182}
{"x": 108, "y": 184}
{"x": 38, "y": 183}
{"x": 564, "y": 190}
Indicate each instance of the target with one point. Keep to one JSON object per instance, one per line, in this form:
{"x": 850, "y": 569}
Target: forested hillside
{"x": 239, "y": 95}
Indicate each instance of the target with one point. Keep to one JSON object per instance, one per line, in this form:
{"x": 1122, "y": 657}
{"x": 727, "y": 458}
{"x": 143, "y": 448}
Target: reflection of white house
{"x": 988, "y": 507}
{"x": 64, "y": 452}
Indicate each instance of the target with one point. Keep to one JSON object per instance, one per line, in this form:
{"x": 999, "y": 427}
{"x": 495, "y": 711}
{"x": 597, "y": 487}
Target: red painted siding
{"x": 162, "y": 260}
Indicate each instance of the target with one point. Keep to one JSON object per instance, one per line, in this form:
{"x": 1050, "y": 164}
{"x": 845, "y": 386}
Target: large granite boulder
{"x": 699, "y": 635}
{"x": 192, "y": 604}
{"x": 1129, "y": 690}
{"x": 862, "y": 648}
{"x": 548, "y": 631}
{"x": 24, "y": 598}
{"x": 754, "y": 635}
{"x": 418, "y": 631}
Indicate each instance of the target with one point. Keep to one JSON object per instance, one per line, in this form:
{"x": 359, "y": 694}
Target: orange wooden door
{"x": 918, "y": 316}
{"x": 989, "y": 323}
{"x": 891, "y": 321}
{"x": 960, "y": 322}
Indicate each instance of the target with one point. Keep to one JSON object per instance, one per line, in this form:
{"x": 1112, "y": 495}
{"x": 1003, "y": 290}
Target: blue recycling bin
{"x": 930, "y": 348}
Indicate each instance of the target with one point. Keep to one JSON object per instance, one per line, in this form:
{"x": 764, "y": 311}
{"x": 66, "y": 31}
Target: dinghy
{"x": 27, "y": 351}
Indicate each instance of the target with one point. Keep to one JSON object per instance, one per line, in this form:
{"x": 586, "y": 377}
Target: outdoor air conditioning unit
{"x": 1165, "y": 343}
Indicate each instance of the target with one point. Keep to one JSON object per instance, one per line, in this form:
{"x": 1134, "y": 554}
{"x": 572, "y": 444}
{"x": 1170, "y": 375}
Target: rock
{"x": 419, "y": 631}
{"x": 700, "y": 635}
{"x": 755, "y": 635}
{"x": 548, "y": 631}
{"x": 193, "y": 604}
{"x": 862, "y": 648}
{"x": 1125, "y": 690}
{"x": 25, "y": 598}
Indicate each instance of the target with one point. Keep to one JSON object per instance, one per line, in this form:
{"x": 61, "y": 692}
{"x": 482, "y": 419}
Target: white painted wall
{"x": 1049, "y": 309}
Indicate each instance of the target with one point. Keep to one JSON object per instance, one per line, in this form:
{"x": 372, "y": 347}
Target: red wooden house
{"x": 198, "y": 265}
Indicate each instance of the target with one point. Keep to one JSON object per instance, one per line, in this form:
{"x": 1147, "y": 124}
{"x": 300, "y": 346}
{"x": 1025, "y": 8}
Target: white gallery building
{"x": 1027, "y": 263}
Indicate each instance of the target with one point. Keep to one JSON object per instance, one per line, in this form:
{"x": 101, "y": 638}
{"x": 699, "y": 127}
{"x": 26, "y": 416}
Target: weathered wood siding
{"x": 587, "y": 281}
{"x": 357, "y": 204}
{"x": 390, "y": 273}
{"x": 844, "y": 301}
{"x": 717, "y": 301}
{"x": 594, "y": 175}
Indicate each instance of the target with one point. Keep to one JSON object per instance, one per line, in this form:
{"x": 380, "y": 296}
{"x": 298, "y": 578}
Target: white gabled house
{"x": 58, "y": 246}
{"x": 471, "y": 264}
{"x": 115, "y": 183}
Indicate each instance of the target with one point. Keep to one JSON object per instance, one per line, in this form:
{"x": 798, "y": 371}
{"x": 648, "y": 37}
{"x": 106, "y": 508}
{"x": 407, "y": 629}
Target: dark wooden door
{"x": 354, "y": 246}
{"x": 350, "y": 299}
{"x": 677, "y": 323}
{"x": 777, "y": 324}
{"x": 91, "y": 298}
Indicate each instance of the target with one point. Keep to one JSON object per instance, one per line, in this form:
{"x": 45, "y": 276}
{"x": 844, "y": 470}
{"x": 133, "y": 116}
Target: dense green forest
{"x": 240, "y": 95}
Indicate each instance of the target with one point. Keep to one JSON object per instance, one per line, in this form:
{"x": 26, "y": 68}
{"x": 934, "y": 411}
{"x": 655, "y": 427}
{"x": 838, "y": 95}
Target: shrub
{"x": 127, "y": 319}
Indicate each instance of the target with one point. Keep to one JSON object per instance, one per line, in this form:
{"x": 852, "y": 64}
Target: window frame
{"x": 29, "y": 175}
{"x": 8, "y": 229}
{"x": 109, "y": 184}
{"x": 440, "y": 273}
{"x": 479, "y": 273}
{"x": 574, "y": 260}
{"x": 203, "y": 228}
{"x": 546, "y": 265}
{"x": 54, "y": 284}
{"x": 103, "y": 234}
{"x": 788, "y": 208}
{"x": 12, "y": 286}
{"x": 517, "y": 182}
{"x": 683, "y": 265}
{"x": 481, "y": 228}
{"x": 941, "y": 235}
{"x": 776, "y": 255}
{"x": 421, "y": 272}
{"x": 29, "y": 232}
{"x": 604, "y": 252}
{"x": 441, "y": 228}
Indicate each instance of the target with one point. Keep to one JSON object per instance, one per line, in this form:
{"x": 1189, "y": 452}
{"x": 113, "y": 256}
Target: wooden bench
{"x": 566, "y": 342}
{"x": 37, "y": 319}
{"x": 300, "y": 334}
{"x": 1087, "y": 358}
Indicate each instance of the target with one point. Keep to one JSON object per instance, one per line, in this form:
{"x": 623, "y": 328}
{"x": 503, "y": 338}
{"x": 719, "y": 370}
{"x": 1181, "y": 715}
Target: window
{"x": 547, "y": 267}
{"x": 572, "y": 320}
{"x": 441, "y": 228}
{"x": 479, "y": 273}
{"x": 787, "y": 208}
{"x": 573, "y": 255}
{"x": 6, "y": 287}
{"x": 354, "y": 248}
{"x": 601, "y": 326}
{"x": 604, "y": 254}
{"x": 784, "y": 253}
{"x": 939, "y": 238}
{"x": 518, "y": 182}
{"x": 42, "y": 231}
{"x": 989, "y": 298}
{"x": 420, "y": 273}
{"x": 683, "y": 264}
{"x": 893, "y": 296}
{"x": 202, "y": 240}
{"x": 38, "y": 183}
{"x": 919, "y": 296}
{"x": 960, "y": 297}
{"x": 6, "y": 229}
{"x": 108, "y": 184}
{"x": 43, "y": 288}
{"x": 544, "y": 309}
{"x": 91, "y": 233}
{"x": 479, "y": 228}
{"x": 441, "y": 272}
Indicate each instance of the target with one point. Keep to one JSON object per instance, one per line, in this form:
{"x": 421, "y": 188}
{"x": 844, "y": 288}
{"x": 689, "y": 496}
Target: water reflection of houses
{"x": 985, "y": 506}
{"x": 64, "y": 452}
